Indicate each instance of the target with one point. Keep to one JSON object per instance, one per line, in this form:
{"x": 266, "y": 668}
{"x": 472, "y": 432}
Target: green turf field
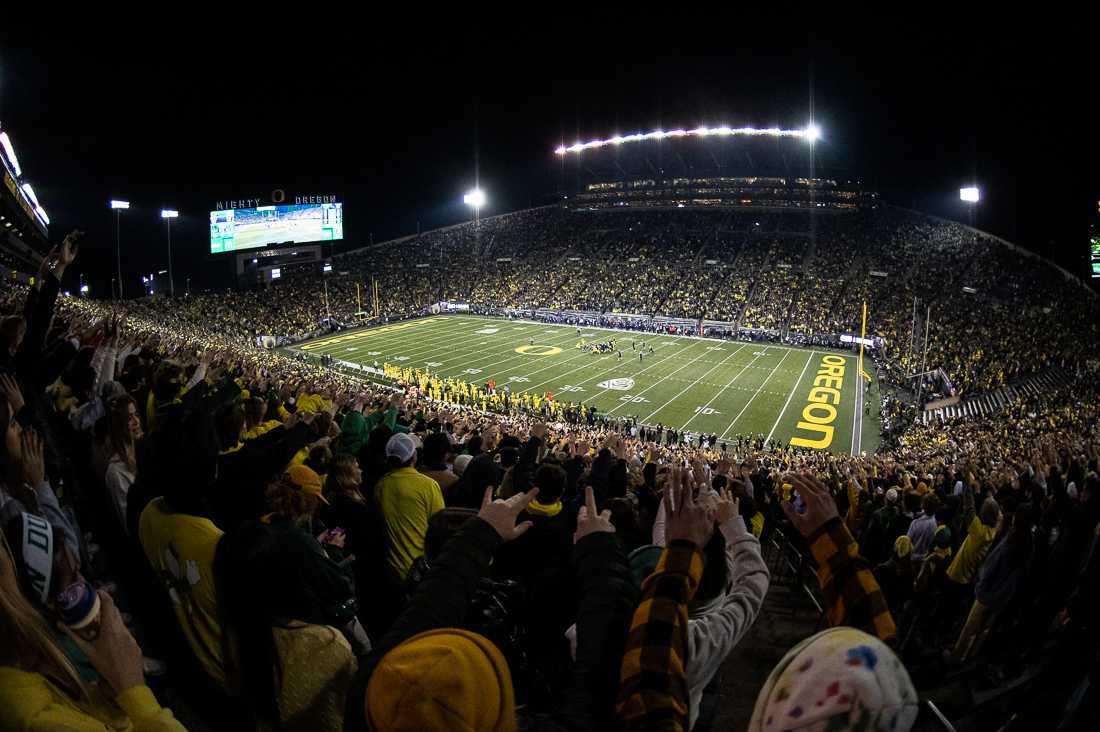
{"x": 695, "y": 385}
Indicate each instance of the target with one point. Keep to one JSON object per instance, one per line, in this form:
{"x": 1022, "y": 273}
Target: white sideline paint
{"x": 789, "y": 396}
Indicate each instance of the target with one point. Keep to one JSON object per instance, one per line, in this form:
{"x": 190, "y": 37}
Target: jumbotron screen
{"x": 1095, "y": 242}
{"x": 251, "y": 228}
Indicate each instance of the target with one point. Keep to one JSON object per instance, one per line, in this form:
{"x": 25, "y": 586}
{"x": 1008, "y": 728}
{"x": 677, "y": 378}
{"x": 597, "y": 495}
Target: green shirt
{"x": 408, "y": 499}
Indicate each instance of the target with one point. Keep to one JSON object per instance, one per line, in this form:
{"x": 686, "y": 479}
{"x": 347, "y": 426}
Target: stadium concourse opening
{"x": 701, "y": 388}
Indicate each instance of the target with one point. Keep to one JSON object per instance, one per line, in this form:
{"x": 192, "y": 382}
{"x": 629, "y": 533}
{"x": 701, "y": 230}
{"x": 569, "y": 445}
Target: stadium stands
{"x": 249, "y": 510}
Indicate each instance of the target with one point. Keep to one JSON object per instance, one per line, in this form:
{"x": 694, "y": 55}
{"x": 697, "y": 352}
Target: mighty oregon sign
{"x": 819, "y": 414}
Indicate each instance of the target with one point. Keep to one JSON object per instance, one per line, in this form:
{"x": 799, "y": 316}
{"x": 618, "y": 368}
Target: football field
{"x": 813, "y": 397}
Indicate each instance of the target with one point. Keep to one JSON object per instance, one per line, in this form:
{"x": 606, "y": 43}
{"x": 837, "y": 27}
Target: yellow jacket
{"x": 30, "y": 701}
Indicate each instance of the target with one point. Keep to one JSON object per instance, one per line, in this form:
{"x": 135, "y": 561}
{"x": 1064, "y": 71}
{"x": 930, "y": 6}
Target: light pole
{"x": 168, "y": 214}
{"x": 475, "y": 198}
{"x": 118, "y": 207}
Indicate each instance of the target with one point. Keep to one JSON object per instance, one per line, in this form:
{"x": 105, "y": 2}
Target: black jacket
{"x": 607, "y": 601}
{"x": 243, "y": 475}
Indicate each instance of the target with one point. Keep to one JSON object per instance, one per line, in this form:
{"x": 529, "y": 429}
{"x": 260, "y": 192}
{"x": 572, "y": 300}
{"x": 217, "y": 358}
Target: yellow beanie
{"x": 903, "y": 547}
{"x": 442, "y": 679}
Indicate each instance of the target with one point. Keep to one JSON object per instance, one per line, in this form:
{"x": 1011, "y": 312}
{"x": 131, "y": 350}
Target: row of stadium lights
{"x": 811, "y": 133}
{"x": 118, "y": 206}
{"x": 28, "y": 191}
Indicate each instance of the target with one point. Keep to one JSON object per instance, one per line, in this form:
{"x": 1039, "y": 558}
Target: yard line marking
{"x": 789, "y": 396}
{"x": 719, "y": 392}
{"x": 636, "y": 373}
{"x": 712, "y": 368}
{"x": 751, "y": 400}
{"x": 618, "y": 365}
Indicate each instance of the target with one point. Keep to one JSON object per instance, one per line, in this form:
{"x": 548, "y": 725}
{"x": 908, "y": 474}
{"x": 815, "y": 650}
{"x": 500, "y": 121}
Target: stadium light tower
{"x": 970, "y": 194}
{"x": 168, "y": 214}
{"x": 475, "y": 198}
{"x": 118, "y": 207}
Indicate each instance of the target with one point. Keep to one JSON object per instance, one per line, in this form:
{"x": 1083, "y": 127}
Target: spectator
{"x": 407, "y": 500}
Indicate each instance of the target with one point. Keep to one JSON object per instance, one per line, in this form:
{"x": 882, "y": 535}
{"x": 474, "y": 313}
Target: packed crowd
{"x": 791, "y": 276}
{"x": 306, "y": 550}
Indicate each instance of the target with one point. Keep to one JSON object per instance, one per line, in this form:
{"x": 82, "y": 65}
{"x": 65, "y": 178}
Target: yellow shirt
{"x": 181, "y": 549}
{"x": 979, "y": 537}
{"x": 30, "y": 701}
{"x": 407, "y": 499}
{"x": 756, "y": 524}
{"x": 261, "y": 428}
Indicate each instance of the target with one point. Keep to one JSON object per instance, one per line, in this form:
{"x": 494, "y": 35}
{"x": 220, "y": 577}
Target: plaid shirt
{"x": 653, "y": 688}
{"x": 852, "y": 596}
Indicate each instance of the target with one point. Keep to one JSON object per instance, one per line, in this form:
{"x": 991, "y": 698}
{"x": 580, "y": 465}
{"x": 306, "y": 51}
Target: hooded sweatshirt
{"x": 716, "y": 627}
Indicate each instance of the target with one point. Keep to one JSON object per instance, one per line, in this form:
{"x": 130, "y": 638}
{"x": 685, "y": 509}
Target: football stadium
{"x": 666, "y": 373}
{"x": 700, "y": 388}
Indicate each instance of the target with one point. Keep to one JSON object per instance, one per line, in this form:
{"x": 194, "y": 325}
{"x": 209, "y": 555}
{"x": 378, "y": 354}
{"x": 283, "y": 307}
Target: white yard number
{"x": 374, "y": 353}
{"x": 568, "y": 388}
{"x": 760, "y": 353}
{"x": 706, "y": 410}
{"x": 520, "y": 379}
{"x": 633, "y": 399}
{"x": 402, "y": 358}
{"x": 472, "y": 371}
{"x": 715, "y": 348}
{"x": 433, "y": 364}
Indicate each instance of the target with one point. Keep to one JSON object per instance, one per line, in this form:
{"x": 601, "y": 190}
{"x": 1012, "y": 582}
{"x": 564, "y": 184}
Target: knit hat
{"x": 903, "y": 547}
{"x": 442, "y": 679}
{"x": 307, "y": 479}
{"x": 841, "y": 678}
{"x": 942, "y": 538}
{"x": 643, "y": 561}
{"x": 401, "y": 446}
{"x": 892, "y": 495}
{"x": 461, "y": 462}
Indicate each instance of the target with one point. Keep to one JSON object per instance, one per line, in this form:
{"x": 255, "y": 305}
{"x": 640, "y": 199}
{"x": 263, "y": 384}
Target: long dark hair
{"x": 120, "y": 441}
{"x": 252, "y": 662}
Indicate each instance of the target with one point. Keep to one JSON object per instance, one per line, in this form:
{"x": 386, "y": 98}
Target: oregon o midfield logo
{"x": 539, "y": 350}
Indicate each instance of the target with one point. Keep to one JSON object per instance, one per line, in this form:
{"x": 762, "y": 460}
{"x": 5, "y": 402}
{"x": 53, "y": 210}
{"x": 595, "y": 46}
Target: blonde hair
{"x": 28, "y": 642}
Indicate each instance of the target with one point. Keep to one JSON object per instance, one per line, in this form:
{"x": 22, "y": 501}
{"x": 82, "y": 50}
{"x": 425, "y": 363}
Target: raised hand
{"x": 501, "y": 515}
{"x": 820, "y": 506}
{"x": 34, "y": 460}
{"x": 729, "y": 506}
{"x": 589, "y": 521}
{"x": 9, "y": 389}
{"x": 685, "y": 518}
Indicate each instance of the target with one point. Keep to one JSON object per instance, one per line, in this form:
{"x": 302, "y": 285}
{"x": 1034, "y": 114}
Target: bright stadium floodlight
{"x": 811, "y": 133}
{"x": 970, "y": 194}
{"x": 168, "y": 214}
{"x": 9, "y": 153}
{"x": 475, "y": 198}
{"x": 118, "y": 206}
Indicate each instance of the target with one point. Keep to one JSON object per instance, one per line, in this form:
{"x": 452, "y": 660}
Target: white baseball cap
{"x": 401, "y": 446}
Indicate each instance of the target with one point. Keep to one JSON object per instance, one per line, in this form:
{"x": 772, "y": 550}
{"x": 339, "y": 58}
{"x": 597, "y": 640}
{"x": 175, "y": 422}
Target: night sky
{"x": 400, "y": 114}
